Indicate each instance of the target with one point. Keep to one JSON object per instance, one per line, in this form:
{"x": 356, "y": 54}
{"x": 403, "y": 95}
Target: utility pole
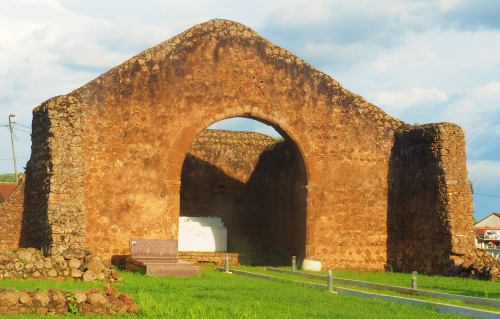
{"x": 12, "y": 142}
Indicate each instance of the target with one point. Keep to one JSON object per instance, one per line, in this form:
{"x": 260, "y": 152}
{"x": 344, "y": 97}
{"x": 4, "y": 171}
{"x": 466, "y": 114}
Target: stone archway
{"x": 256, "y": 185}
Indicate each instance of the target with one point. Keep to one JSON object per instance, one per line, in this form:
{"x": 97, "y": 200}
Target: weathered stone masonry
{"x": 54, "y": 217}
{"x": 107, "y": 158}
{"x": 11, "y": 212}
{"x": 256, "y": 184}
{"x": 429, "y": 198}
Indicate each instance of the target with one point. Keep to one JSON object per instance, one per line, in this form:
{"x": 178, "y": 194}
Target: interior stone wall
{"x": 279, "y": 185}
{"x": 430, "y": 212}
{"x": 214, "y": 181}
{"x": 256, "y": 184}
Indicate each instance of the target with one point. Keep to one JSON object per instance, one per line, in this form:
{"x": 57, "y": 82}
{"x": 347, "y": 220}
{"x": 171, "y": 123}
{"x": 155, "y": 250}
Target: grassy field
{"x": 218, "y": 295}
{"x": 491, "y": 286}
{"x": 462, "y": 286}
{"x": 9, "y": 177}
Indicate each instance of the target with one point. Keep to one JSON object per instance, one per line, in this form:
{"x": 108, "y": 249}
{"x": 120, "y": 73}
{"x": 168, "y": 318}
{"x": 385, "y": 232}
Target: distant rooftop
{"x": 5, "y": 190}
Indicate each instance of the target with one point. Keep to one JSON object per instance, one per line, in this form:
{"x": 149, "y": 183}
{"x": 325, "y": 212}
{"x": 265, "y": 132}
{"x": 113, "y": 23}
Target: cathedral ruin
{"x": 128, "y": 153}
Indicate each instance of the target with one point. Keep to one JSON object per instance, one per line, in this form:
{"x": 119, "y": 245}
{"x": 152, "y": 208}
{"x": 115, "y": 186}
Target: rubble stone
{"x": 58, "y": 302}
{"x": 13, "y": 264}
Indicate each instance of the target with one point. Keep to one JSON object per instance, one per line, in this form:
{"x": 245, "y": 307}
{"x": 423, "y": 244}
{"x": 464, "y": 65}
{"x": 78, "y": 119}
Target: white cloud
{"x": 484, "y": 173}
{"x": 488, "y": 94}
{"x": 495, "y": 131}
{"x": 451, "y": 60}
{"x": 447, "y": 5}
{"x": 300, "y": 12}
{"x": 397, "y": 101}
{"x": 478, "y": 111}
{"x": 337, "y": 56}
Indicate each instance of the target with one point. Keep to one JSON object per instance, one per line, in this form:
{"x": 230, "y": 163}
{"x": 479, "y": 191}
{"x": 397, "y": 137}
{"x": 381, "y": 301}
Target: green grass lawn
{"x": 457, "y": 302}
{"x": 218, "y": 295}
{"x": 454, "y": 285}
{"x": 9, "y": 177}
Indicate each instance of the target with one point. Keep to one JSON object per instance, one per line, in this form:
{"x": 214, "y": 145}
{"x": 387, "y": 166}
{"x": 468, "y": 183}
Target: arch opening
{"x": 243, "y": 174}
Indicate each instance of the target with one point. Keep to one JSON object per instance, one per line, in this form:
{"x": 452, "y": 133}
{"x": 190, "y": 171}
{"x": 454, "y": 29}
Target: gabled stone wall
{"x": 141, "y": 118}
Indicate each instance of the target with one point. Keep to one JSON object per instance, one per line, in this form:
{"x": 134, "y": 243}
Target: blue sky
{"x": 419, "y": 60}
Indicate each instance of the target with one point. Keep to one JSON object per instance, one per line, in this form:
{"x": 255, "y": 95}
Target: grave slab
{"x": 158, "y": 257}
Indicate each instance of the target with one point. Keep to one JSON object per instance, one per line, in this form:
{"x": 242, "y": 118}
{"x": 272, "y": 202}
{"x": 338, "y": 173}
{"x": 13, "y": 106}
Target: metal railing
{"x": 495, "y": 252}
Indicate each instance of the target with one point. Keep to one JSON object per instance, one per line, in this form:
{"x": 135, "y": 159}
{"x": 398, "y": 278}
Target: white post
{"x": 330, "y": 281}
{"x": 226, "y": 265}
{"x": 12, "y": 143}
{"x": 414, "y": 280}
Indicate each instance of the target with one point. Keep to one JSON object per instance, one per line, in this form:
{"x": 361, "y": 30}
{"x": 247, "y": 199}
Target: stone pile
{"x": 57, "y": 302}
{"x": 479, "y": 264}
{"x": 31, "y": 263}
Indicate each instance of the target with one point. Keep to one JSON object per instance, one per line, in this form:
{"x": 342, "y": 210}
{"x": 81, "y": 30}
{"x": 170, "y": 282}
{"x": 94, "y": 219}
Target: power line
{"x": 18, "y": 129}
{"x": 10, "y": 158}
{"x": 25, "y": 126}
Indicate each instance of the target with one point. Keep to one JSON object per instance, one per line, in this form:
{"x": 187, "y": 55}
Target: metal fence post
{"x": 294, "y": 263}
{"x": 330, "y": 280}
{"x": 414, "y": 280}
{"x": 226, "y": 264}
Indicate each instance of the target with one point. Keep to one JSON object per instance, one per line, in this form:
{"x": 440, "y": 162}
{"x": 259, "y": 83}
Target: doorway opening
{"x": 243, "y": 190}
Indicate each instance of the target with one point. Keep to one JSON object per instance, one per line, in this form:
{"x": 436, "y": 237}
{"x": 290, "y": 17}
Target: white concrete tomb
{"x": 202, "y": 234}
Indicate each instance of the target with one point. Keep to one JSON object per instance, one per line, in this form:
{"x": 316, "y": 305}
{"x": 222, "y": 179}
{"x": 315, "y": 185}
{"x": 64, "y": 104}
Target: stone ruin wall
{"x": 65, "y": 212}
{"x": 35, "y": 230}
{"x": 430, "y": 212}
{"x": 25, "y": 211}
{"x": 235, "y": 154}
{"x": 256, "y": 184}
{"x": 426, "y": 184}
{"x": 137, "y": 122}
{"x": 48, "y": 203}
